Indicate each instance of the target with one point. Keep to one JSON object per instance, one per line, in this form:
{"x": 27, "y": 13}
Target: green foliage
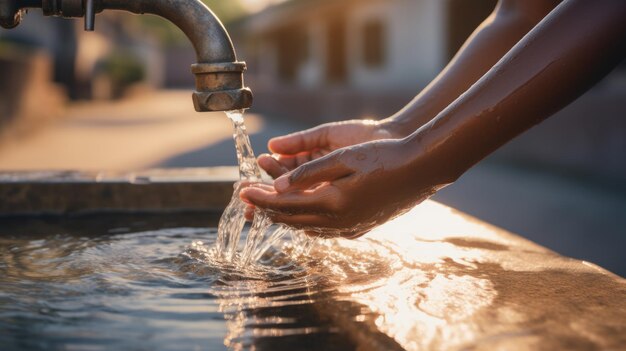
{"x": 169, "y": 34}
{"x": 123, "y": 68}
{"x": 226, "y": 10}
{"x": 4, "y": 46}
{"x": 11, "y": 47}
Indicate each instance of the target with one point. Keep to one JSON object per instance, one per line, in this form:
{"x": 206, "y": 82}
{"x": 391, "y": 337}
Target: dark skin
{"x": 525, "y": 62}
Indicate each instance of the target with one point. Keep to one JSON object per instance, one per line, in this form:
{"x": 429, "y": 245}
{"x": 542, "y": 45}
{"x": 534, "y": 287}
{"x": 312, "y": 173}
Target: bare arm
{"x": 353, "y": 189}
{"x": 574, "y": 47}
{"x": 509, "y": 22}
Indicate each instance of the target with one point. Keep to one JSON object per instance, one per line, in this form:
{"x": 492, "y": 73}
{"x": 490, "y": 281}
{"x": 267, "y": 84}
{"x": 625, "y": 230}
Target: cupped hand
{"x": 351, "y": 190}
{"x": 293, "y": 150}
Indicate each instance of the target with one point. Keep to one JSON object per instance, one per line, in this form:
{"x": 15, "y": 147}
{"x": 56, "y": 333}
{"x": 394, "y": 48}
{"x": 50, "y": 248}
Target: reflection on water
{"x": 412, "y": 285}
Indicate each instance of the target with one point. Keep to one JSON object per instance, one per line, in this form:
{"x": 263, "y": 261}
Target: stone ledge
{"x": 151, "y": 191}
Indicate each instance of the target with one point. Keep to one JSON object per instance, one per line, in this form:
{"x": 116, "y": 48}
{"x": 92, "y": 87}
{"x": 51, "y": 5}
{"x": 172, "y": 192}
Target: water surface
{"x": 148, "y": 283}
{"x": 430, "y": 280}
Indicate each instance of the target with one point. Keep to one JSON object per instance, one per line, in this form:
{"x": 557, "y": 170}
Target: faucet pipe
{"x": 219, "y": 76}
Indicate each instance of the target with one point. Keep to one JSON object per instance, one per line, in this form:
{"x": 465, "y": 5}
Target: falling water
{"x": 263, "y": 233}
{"x": 233, "y": 220}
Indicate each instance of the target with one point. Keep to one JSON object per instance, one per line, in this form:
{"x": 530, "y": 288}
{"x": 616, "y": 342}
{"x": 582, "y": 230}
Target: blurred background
{"x": 119, "y": 98}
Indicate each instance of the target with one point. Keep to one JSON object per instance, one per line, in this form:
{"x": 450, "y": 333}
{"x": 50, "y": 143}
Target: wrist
{"x": 396, "y": 127}
{"x": 409, "y": 119}
{"x": 434, "y": 157}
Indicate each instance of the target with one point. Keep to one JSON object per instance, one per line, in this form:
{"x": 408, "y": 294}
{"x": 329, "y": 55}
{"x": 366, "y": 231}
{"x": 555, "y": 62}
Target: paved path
{"x": 577, "y": 218}
{"x": 126, "y": 135}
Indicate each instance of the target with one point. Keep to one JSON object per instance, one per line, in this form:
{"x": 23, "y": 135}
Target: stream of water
{"x": 262, "y": 233}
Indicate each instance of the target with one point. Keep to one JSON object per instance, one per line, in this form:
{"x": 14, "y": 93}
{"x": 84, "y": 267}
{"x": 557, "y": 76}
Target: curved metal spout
{"x": 193, "y": 17}
{"x": 219, "y": 77}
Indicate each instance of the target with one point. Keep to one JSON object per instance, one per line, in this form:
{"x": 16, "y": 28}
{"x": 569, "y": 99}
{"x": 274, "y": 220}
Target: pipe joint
{"x": 219, "y": 87}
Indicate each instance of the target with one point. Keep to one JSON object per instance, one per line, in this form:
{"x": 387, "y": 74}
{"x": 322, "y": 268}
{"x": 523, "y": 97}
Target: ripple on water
{"x": 165, "y": 288}
{"x": 161, "y": 289}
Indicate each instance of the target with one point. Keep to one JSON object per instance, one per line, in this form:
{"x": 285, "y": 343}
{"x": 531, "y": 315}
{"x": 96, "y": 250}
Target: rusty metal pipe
{"x": 11, "y": 11}
{"x": 219, "y": 76}
{"x": 193, "y": 17}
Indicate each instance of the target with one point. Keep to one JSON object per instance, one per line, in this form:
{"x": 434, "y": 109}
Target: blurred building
{"x": 350, "y": 57}
{"x": 48, "y": 60}
{"x": 77, "y": 56}
{"x": 36, "y": 67}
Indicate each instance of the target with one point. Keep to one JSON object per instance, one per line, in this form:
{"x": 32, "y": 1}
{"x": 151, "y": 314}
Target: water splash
{"x": 263, "y": 234}
{"x": 248, "y": 167}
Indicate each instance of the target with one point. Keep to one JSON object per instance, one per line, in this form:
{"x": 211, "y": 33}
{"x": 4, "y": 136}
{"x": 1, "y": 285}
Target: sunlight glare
{"x": 258, "y": 5}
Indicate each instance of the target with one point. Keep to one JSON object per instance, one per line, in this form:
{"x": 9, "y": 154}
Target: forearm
{"x": 568, "y": 52}
{"x": 509, "y": 22}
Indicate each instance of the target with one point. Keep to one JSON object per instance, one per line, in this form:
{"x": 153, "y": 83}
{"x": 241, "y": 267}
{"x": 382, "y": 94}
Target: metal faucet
{"x": 219, "y": 76}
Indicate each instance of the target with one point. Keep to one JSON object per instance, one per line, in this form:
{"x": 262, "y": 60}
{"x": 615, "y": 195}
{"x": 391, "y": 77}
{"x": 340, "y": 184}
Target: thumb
{"x": 303, "y": 141}
{"x": 325, "y": 169}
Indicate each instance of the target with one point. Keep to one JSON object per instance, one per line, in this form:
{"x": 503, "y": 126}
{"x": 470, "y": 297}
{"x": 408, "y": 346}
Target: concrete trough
{"x": 474, "y": 286}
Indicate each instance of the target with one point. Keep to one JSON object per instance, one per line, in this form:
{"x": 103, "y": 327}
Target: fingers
{"x": 296, "y": 143}
{"x": 261, "y": 186}
{"x": 277, "y": 165}
{"x": 272, "y": 166}
{"x": 319, "y": 226}
{"x": 302, "y": 158}
{"x": 300, "y": 220}
{"x": 314, "y": 225}
{"x": 243, "y": 183}
{"x": 319, "y": 200}
{"x": 249, "y": 213}
{"x": 325, "y": 169}
{"x": 308, "y": 210}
